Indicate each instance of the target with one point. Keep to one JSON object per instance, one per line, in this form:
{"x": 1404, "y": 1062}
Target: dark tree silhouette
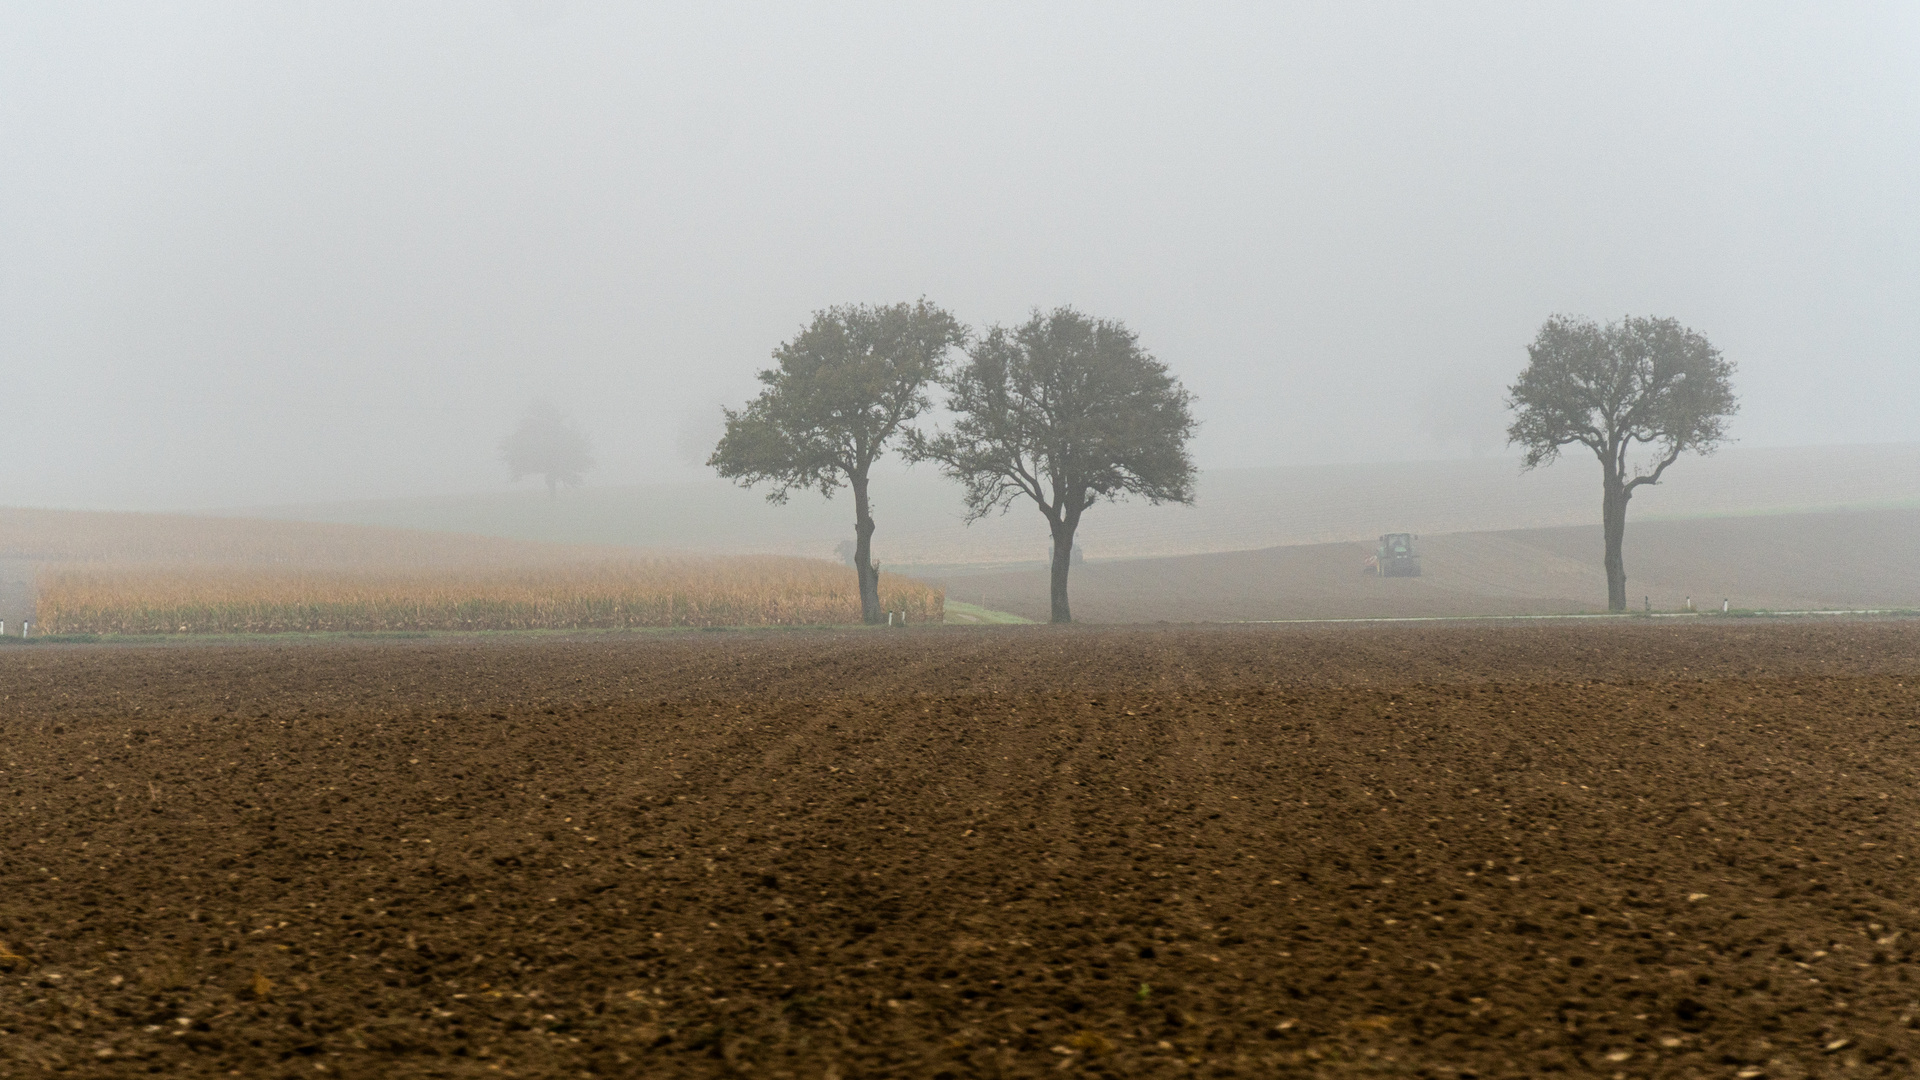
{"x": 549, "y": 445}
{"x": 1640, "y": 385}
{"x": 839, "y": 393}
{"x": 1066, "y": 410}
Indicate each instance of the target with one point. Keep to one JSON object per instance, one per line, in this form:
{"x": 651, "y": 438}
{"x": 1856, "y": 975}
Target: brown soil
{"x": 1863, "y": 559}
{"x": 1614, "y": 850}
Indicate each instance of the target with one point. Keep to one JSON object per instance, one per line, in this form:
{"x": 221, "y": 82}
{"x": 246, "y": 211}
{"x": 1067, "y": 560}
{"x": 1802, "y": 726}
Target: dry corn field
{"x": 186, "y": 599}
{"x": 169, "y": 574}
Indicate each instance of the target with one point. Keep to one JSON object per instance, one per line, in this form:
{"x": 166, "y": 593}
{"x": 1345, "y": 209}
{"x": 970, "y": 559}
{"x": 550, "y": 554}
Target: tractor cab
{"x": 1395, "y": 556}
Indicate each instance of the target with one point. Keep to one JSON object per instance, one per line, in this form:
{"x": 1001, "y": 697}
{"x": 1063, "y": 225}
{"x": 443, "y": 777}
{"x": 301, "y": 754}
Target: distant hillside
{"x": 60, "y": 536}
{"x": 1853, "y": 559}
{"x": 919, "y": 513}
{"x": 1864, "y": 559}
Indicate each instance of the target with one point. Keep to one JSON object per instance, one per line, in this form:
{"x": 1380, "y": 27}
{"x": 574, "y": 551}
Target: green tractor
{"x": 1395, "y": 557}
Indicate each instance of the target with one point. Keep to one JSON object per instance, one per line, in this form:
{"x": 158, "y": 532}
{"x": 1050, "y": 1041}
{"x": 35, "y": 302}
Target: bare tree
{"x": 549, "y": 445}
{"x": 1066, "y": 410}
{"x": 1638, "y": 393}
{"x": 839, "y": 393}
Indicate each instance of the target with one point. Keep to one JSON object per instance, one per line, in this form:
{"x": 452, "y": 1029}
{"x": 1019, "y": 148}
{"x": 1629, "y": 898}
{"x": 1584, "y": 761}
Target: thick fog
{"x": 266, "y": 253}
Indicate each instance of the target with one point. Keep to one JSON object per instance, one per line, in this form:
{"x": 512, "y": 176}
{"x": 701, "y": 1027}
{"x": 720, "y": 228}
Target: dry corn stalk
{"x": 602, "y": 593}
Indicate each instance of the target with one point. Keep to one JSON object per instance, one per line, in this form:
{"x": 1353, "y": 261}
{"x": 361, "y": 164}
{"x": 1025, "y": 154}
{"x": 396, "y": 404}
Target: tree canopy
{"x": 1066, "y": 410}
{"x": 549, "y": 445}
{"x": 838, "y": 394}
{"x": 1638, "y": 393}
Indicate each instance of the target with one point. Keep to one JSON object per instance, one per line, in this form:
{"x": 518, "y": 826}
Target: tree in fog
{"x": 839, "y": 392}
{"x": 1065, "y": 410}
{"x": 1638, "y": 393}
{"x": 549, "y": 445}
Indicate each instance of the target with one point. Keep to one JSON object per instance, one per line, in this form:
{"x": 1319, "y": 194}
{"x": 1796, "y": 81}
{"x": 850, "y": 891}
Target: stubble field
{"x": 1467, "y": 850}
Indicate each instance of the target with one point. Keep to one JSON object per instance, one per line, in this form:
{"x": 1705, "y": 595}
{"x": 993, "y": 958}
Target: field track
{"x": 1442, "y": 851}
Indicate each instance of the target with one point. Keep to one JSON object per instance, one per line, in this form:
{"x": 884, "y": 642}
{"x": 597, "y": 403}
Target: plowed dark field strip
{"x": 1614, "y": 850}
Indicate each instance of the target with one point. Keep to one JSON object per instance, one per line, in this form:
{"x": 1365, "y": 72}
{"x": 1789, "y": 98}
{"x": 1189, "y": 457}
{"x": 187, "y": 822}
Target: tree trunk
{"x": 1062, "y": 560}
{"x": 863, "y": 554}
{"x": 1613, "y": 518}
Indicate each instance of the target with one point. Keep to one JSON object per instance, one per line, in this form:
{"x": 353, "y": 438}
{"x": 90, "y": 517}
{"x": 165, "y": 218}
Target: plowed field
{"x": 1597, "y": 849}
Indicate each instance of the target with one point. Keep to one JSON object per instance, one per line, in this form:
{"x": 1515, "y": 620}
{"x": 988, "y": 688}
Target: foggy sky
{"x": 268, "y": 253}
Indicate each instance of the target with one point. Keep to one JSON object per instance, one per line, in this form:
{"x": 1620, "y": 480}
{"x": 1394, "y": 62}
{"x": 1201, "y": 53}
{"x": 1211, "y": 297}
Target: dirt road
{"x": 1448, "y": 851}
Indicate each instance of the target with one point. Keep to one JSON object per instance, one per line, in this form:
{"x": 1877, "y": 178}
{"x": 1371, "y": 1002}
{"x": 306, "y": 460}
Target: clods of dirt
{"x": 1451, "y": 851}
